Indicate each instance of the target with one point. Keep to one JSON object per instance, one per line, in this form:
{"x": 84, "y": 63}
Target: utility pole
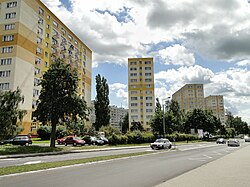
{"x": 164, "y": 104}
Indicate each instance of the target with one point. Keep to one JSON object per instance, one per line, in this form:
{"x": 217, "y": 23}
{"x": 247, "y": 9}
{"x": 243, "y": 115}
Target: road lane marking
{"x": 32, "y": 162}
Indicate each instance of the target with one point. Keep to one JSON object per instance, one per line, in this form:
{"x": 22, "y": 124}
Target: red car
{"x": 61, "y": 140}
{"x": 74, "y": 141}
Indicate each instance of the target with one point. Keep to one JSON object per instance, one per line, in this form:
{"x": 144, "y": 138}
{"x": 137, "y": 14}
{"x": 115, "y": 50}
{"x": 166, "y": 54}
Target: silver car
{"x": 233, "y": 142}
{"x": 161, "y": 143}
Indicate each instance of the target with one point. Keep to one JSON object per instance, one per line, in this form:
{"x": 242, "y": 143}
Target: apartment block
{"x": 189, "y": 97}
{"x": 215, "y": 103}
{"x": 117, "y": 115}
{"x": 32, "y": 37}
{"x": 141, "y": 90}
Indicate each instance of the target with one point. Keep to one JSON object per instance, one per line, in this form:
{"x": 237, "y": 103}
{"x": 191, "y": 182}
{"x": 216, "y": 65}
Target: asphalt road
{"x": 145, "y": 171}
{"x": 53, "y": 158}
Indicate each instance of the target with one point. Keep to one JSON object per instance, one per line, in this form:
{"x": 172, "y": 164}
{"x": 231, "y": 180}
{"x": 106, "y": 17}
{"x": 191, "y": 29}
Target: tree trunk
{"x": 53, "y": 133}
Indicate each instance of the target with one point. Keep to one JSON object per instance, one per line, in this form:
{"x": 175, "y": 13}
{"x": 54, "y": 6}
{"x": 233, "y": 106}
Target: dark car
{"x": 74, "y": 141}
{"x": 22, "y": 140}
{"x": 8, "y": 141}
{"x": 220, "y": 141}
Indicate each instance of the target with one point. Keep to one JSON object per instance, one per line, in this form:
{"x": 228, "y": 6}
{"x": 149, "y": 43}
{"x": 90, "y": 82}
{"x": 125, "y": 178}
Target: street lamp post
{"x": 163, "y": 107}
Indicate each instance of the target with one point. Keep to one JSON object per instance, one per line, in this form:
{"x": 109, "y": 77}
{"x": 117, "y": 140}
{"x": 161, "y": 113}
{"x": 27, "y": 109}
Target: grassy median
{"x": 47, "y": 165}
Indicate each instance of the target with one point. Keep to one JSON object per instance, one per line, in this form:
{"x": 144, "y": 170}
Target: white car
{"x": 161, "y": 144}
{"x": 233, "y": 142}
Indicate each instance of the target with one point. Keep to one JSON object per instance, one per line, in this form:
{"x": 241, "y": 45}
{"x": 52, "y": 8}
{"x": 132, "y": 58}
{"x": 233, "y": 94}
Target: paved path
{"x": 232, "y": 170}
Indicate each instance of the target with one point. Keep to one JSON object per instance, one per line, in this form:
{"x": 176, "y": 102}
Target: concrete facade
{"x": 32, "y": 37}
{"x": 141, "y": 98}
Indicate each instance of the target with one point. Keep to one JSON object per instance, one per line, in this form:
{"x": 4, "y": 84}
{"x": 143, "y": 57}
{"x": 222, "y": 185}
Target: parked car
{"x": 105, "y": 140}
{"x": 161, "y": 143}
{"x": 74, "y": 141}
{"x": 92, "y": 140}
{"x": 247, "y": 139}
{"x": 22, "y": 140}
{"x": 220, "y": 141}
{"x": 61, "y": 140}
{"x": 8, "y": 141}
{"x": 233, "y": 142}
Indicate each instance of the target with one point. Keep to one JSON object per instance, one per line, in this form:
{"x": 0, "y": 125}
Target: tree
{"x": 177, "y": 123}
{"x": 136, "y": 126}
{"x": 200, "y": 119}
{"x": 158, "y": 105}
{"x": 59, "y": 98}
{"x": 10, "y": 112}
{"x": 125, "y": 124}
{"x": 102, "y": 110}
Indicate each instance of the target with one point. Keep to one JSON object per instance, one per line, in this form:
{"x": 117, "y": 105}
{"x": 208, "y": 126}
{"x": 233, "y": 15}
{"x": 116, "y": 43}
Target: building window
{"x": 39, "y": 30}
{"x": 149, "y": 92}
{"x": 46, "y": 64}
{"x": 11, "y": 4}
{"x": 7, "y": 49}
{"x": 40, "y": 21}
{"x": 46, "y": 44}
{"x": 37, "y": 71}
{"x": 6, "y": 61}
{"x": 133, "y": 74}
{"x": 9, "y": 26}
{"x": 133, "y": 80}
{"x": 47, "y": 35}
{"x": 148, "y": 98}
{"x": 134, "y": 110}
{"x": 39, "y": 40}
{"x": 132, "y": 63}
{"x": 147, "y": 74}
{"x": 149, "y": 104}
{"x": 48, "y": 17}
{"x": 38, "y": 50}
{"x": 35, "y": 93}
{"x": 4, "y": 86}
{"x": 5, "y": 73}
{"x": 41, "y": 11}
{"x": 63, "y": 31}
{"x": 149, "y": 110}
{"x": 70, "y": 37}
{"x": 46, "y": 54}
{"x": 76, "y": 42}
{"x": 133, "y": 69}
{"x": 133, "y": 86}
{"x": 55, "y": 23}
{"x": 11, "y": 15}
{"x": 38, "y": 60}
{"x": 147, "y": 62}
{"x": 133, "y": 92}
{"x": 47, "y": 26}
{"x": 133, "y": 104}
{"x": 8, "y": 38}
{"x": 148, "y": 80}
{"x": 147, "y": 68}
{"x": 148, "y": 86}
{"x": 133, "y": 98}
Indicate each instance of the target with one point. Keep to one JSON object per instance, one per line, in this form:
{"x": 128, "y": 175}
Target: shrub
{"x": 115, "y": 139}
{"x": 148, "y": 137}
{"x": 44, "y": 132}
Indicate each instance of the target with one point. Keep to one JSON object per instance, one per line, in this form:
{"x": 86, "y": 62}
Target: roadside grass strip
{"x": 14, "y": 149}
{"x": 48, "y": 165}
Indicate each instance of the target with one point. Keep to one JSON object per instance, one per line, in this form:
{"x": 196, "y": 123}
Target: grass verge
{"x": 47, "y": 165}
{"x": 15, "y": 149}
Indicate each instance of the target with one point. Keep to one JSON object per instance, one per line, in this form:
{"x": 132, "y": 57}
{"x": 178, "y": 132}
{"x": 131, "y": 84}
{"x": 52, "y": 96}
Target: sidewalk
{"x": 68, "y": 152}
{"x": 229, "y": 171}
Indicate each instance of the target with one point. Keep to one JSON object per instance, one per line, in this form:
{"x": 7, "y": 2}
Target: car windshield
{"x": 159, "y": 140}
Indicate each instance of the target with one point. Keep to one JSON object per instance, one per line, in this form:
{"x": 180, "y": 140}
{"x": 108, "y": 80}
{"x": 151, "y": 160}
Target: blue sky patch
{"x": 67, "y": 4}
{"x": 122, "y": 16}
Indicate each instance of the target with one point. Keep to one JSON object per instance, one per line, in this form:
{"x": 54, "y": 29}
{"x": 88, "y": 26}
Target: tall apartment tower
{"x": 215, "y": 103}
{"x": 189, "y": 97}
{"x": 32, "y": 37}
{"x": 117, "y": 115}
{"x": 141, "y": 90}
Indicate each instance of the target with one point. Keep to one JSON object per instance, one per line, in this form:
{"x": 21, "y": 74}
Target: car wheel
{"x": 74, "y": 144}
{"x": 27, "y": 144}
{"x": 169, "y": 146}
{"x": 65, "y": 144}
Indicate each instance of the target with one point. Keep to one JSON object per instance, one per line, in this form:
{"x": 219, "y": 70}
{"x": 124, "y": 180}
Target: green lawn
{"x": 40, "y": 166}
{"x": 16, "y": 149}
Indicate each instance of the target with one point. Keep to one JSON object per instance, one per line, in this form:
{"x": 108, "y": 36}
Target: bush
{"x": 181, "y": 137}
{"x": 44, "y": 132}
{"x": 148, "y": 137}
{"x": 115, "y": 139}
{"x": 60, "y": 131}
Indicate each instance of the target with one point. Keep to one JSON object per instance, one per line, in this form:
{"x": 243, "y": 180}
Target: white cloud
{"x": 243, "y": 63}
{"x": 117, "y": 86}
{"x": 177, "y": 55}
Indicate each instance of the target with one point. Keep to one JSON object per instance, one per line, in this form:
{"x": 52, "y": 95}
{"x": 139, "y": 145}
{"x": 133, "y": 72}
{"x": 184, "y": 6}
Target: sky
{"x": 191, "y": 41}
